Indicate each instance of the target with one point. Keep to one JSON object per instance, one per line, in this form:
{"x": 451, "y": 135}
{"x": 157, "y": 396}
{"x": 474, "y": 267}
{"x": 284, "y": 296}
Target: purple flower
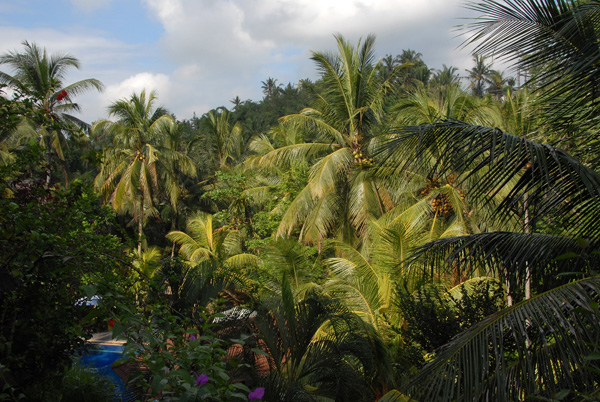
{"x": 201, "y": 379}
{"x": 192, "y": 338}
{"x": 258, "y": 393}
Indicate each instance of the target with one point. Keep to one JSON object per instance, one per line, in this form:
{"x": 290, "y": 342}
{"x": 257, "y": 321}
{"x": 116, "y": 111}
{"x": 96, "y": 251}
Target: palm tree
{"x": 557, "y": 39}
{"x": 557, "y": 187}
{"x": 315, "y": 349}
{"x": 423, "y": 106}
{"x": 270, "y": 88}
{"x": 202, "y": 242}
{"x": 130, "y": 176}
{"x": 222, "y": 136}
{"x": 525, "y": 350}
{"x": 178, "y": 183}
{"x": 236, "y": 102}
{"x": 478, "y": 75}
{"x": 388, "y": 64}
{"x": 410, "y": 56}
{"x": 344, "y": 119}
{"x": 498, "y": 84}
{"x": 413, "y": 70}
{"x": 40, "y": 77}
{"x": 447, "y": 76}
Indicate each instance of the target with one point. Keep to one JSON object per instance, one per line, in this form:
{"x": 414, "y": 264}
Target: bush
{"x": 80, "y": 384}
{"x": 177, "y": 358}
{"x": 55, "y": 248}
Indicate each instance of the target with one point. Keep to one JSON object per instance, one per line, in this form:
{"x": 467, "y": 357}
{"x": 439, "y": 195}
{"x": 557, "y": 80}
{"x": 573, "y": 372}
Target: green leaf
{"x": 118, "y": 329}
{"x": 593, "y": 356}
{"x": 89, "y": 290}
{"x": 395, "y": 396}
{"x": 260, "y": 352}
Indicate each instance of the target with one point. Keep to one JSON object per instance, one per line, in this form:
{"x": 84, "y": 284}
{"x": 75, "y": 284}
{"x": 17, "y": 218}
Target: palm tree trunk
{"x": 48, "y": 160}
{"x": 63, "y": 165}
{"x": 527, "y": 230}
{"x": 141, "y": 224}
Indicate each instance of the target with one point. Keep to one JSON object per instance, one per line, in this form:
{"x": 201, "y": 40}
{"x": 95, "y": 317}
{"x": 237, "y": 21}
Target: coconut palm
{"x": 40, "y": 77}
{"x": 202, "y": 241}
{"x": 478, "y": 75}
{"x": 556, "y": 39}
{"x": 498, "y": 84}
{"x": 270, "y": 88}
{"x": 524, "y": 351}
{"x": 134, "y": 168}
{"x": 315, "y": 349}
{"x": 563, "y": 196}
{"x": 413, "y": 73}
{"x": 424, "y": 106}
{"x": 223, "y": 137}
{"x": 344, "y": 120}
{"x": 445, "y": 77}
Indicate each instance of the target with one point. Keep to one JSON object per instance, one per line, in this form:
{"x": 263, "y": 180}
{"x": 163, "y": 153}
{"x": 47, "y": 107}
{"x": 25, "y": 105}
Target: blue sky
{"x": 200, "y": 54}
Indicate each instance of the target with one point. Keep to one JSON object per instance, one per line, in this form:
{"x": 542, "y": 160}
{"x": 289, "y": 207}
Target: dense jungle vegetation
{"x": 387, "y": 232}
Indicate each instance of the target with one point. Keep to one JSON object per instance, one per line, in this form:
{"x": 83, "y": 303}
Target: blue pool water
{"x": 100, "y": 358}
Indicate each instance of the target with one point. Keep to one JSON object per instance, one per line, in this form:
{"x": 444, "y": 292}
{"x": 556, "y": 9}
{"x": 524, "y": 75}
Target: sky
{"x": 200, "y": 54}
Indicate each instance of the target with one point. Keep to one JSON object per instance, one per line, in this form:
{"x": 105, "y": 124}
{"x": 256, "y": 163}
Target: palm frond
{"x": 514, "y": 353}
{"x": 327, "y": 171}
{"x": 560, "y": 34}
{"x": 555, "y": 183}
{"x": 512, "y": 256}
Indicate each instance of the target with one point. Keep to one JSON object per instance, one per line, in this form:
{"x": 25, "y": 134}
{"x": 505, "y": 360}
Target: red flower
{"x": 111, "y": 323}
{"x": 63, "y": 94}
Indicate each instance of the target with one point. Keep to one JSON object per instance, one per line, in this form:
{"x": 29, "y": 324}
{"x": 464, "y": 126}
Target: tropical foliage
{"x": 388, "y": 231}
{"x": 39, "y": 77}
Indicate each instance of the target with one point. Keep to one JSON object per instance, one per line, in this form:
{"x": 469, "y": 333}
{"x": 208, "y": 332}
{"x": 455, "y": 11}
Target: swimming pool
{"x": 100, "y": 358}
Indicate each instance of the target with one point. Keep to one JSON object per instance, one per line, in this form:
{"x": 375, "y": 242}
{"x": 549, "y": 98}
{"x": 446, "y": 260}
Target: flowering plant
{"x": 182, "y": 359}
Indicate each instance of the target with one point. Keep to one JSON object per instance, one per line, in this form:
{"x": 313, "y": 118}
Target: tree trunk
{"x": 141, "y": 224}
{"x": 527, "y": 270}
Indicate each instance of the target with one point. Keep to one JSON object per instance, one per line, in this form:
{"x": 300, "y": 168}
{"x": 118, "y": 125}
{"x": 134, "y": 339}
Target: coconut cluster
{"x": 441, "y": 204}
{"x": 362, "y": 159}
{"x": 139, "y": 156}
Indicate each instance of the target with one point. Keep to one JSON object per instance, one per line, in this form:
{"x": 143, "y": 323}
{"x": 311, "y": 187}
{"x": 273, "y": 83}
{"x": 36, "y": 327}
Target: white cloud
{"x": 137, "y": 83}
{"x": 234, "y": 45}
{"x": 112, "y": 62}
{"x": 213, "y": 50}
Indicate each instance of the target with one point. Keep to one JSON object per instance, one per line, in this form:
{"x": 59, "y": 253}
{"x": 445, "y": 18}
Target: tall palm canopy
{"x": 344, "y": 120}
{"x": 223, "y": 136}
{"x": 556, "y": 41}
{"x": 40, "y": 77}
{"x": 138, "y": 163}
{"x": 478, "y": 75}
{"x": 525, "y": 349}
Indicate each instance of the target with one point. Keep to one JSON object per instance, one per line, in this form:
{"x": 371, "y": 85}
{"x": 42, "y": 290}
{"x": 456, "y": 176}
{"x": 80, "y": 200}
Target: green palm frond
{"x": 317, "y": 349}
{"x": 327, "y": 171}
{"x": 367, "y": 200}
{"x": 395, "y": 396}
{"x": 260, "y": 144}
{"x": 242, "y": 261}
{"x": 562, "y": 35}
{"x": 554, "y": 182}
{"x": 287, "y": 155}
{"x": 548, "y": 259}
{"x": 190, "y": 248}
{"x": 83, "y": 86}
{"x": 296, "y": 212}
{"x": 321, "y": 219}
{"x": 514, "y": 354}
{"x": 311, "y": 120}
